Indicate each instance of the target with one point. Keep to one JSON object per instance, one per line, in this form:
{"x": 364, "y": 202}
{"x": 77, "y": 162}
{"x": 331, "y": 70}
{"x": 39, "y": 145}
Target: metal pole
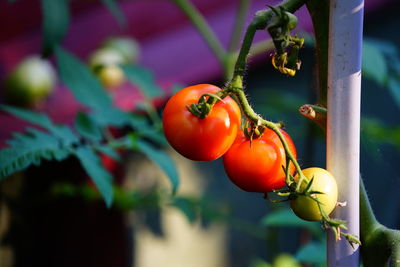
{"x": 343, "y": 125}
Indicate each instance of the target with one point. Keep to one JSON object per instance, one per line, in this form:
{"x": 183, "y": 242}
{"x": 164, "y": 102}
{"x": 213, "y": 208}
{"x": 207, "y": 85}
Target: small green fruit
{"x": 30, "y": 82}
{"x": 285, "y": 260}
{"x": 105, "y": 57}
{"x": 127, "y": 47}
{"x": 111, "y": 76}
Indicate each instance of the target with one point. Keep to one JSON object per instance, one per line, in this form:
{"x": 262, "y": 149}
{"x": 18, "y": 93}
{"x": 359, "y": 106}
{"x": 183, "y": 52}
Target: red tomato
{"x": 200, "y": 139}
{"x": 257, "y": 167}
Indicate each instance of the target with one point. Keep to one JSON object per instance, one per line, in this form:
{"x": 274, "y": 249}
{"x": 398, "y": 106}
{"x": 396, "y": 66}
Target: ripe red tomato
{"x": 257, "y": 167}
{"x": 200, "y": 139}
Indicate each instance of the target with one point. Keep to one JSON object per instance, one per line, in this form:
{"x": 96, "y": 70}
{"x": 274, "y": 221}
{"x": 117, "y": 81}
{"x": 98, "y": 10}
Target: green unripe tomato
{"x": 127, "y": 47}
{"x": 104, "y": 63}
{"x": 105, "y": 57}
{"x": 305, "y": 207}
{"x": 285, "y": 260}
{"x": 30, "y": 82}
{"x": 111, "y": 76}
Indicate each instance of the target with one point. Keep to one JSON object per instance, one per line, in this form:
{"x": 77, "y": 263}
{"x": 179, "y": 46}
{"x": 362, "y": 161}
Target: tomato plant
{"x": 256, "y": 166}
{"x": 196, "y": 138}
{"x": 323, "y": 181}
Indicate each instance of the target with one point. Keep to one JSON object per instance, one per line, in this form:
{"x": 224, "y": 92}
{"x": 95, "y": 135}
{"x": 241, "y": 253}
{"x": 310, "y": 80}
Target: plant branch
{"x": 315, "y": 113}
{"x": 258, "y": 120}
{"x": 381, "y": 245}
{"x": 261, "y": 47}
{"x": 260, "y": 21}
{"x": 201, "y": 25}
{"x": 239, "y": 23}
{"x": 368, "y": 222}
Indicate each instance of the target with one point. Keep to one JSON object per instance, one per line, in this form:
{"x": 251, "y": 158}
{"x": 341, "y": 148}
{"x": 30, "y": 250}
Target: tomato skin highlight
{"x": 305, "y": 207}
{"x": 200, "y": 139}
{"x": 257, "y": 167}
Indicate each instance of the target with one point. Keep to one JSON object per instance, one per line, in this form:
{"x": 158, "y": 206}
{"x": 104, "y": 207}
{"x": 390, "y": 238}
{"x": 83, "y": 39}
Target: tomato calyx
{"x": 204, "y": 105}
{"x": 253, "y": 130}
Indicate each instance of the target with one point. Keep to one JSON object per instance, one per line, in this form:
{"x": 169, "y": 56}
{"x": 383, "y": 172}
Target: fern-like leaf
{"x": 30, "y": 148}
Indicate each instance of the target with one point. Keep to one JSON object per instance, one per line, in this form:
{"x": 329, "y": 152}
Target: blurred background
{"x": 53, "y": 215}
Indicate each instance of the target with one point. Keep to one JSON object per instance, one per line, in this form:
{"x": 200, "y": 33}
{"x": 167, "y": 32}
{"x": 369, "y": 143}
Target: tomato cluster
{"x": 252, "y": 164}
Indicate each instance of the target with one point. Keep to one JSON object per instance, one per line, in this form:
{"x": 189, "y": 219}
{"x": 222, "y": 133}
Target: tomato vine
{"x": 278, "y": 21}
{"x": 375, "y": 237}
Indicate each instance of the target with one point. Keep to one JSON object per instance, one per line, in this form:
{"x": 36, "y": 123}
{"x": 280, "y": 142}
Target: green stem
{"x": 260, "y": 22}
{"x": 201, "y": 25}
{"x": 240, "y": 65}
{"x": 261, "y": 47}
{"x": 257, "y": 119}
{"x": 381, "y": 245}
{"x": 368, "y": 222}
{"x": 239, "y": 23}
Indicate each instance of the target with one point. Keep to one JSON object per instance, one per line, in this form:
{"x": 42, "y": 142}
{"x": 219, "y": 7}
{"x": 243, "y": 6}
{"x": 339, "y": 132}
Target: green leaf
{"x": 91, "y": 162}
{"x": 105, "y": 149}
{"x": 153, "y": 135}
{"x": 312, "y": 253}
{"x": 145, "y": 130}
{"x": 144, "y": 79}
{"x": 88, "y": 91}
{"x": 37, "y": 118}
{"x": 286, "y": 218}
{"x": 65, "y": 134}
{"x": 55, "y": 23}
{"x": 85, "y": 87}
{"x": 119, "y": 118}
{"x": 42, "y": 120}
{"x": 376, "y": 132}
{"x": 115, "y": 117}
{"x": 86, "y": 127}
{"x": 160, "y": 158}
{"x": 111, "y": 116}
{"x": 387, "y": 48}
{"x": 374, "y": 64}
{"x": 394, "y": 88}
{"x": 115, "y": 11}
{"x": 188, "y": 207}
{"x": 30, "y": 148}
